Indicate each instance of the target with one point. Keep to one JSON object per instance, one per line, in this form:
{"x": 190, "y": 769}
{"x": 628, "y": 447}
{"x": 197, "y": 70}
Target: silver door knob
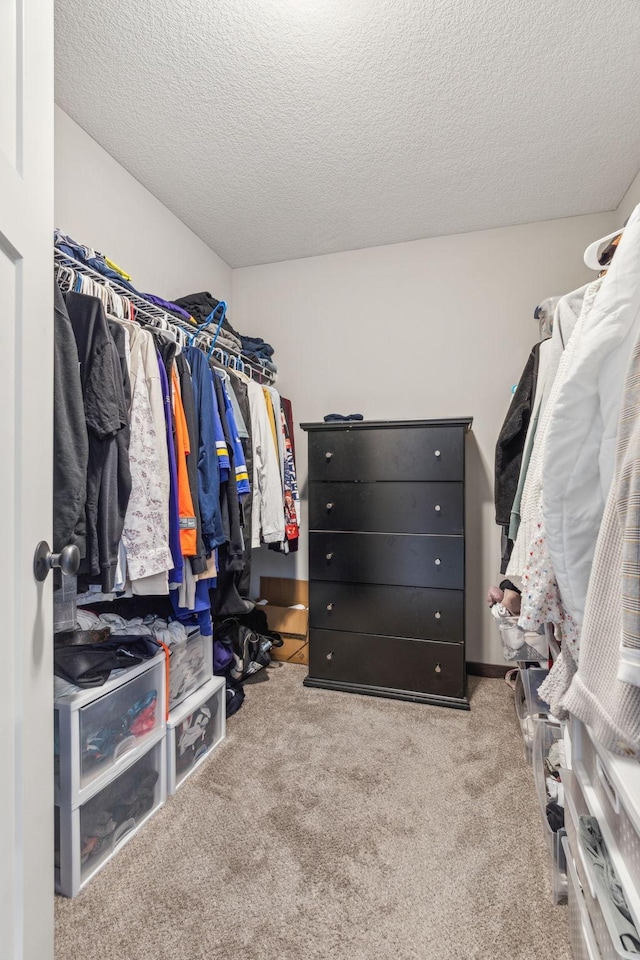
{"x": 329, "y": 506}
{"x": 67, "y": 561}
{"x": 330, "y": 656}
{"x": 437, "y": 453}
{"x": 437, "y": 614}
{"x": 437, "y": 508}
{"x": 329, "y": 556}
{"x": 328, "y": 455}
{"x": 438, "y": 562}
{"x": 438, "y": 668}
{"x": 329, "y": 606}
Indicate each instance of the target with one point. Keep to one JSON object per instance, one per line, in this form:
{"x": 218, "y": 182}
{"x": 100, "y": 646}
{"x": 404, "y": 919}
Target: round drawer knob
{"x": 437, "y": 508}
{"x": 438, "y": 668}
{"x": 437, "y": 453}
{"x": 329, "y": 606}
{"x": 438, "y": 561}
{"x": 330, "y": 555}
{"x": 329, "y": 506}
{"x": 437, "y": 614}
{"x": 328, "y": 455}
{"x": 330, "y": 656}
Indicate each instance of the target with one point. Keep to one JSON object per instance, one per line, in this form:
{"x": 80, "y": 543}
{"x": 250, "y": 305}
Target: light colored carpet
{"x": 337, "y": 827}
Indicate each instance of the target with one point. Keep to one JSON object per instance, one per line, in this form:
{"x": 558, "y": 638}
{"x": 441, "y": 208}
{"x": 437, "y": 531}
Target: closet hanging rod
{"x": 157, "y": 317}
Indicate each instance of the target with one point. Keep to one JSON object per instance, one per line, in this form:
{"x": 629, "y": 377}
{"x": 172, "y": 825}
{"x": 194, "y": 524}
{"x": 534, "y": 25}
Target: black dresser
{"x": 386, "y": 559}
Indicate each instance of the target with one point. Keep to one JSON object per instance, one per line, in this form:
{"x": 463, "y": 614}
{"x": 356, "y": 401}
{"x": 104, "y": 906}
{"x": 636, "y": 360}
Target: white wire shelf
{"x": 155, "y": 316}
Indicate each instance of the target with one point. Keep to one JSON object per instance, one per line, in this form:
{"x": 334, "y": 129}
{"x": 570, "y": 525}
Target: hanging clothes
{"x": 609, "y": 705}
{"x": 580, "y": 453}
{"x": 241, "y": 392}
{"x": 567, "y": 314}
{"x": 267, "y": 508}
{"x": 208, "y": 471}
{"x": 273, "y": 425}
{"x": 542, "y": 386}
{"x": 291, "y": 495}
{"x": 176, "y": 574}
{"x": 242, "y": 428}
{"x": 291, "y": 478}
{"x": 229, "y": 500}
{"x": 71, "y": 443}
{"x": 541, "y": 599}
{"x": 146, "y": 530}
{"x": 242, "y": 477}
{"x": 578, "y": 462}
{"x": 183, "y": 370}
{"x": 512, "y": 438}
{"x": 121, "y": 450}
{"x": 105, "y": 416}
{"x": 222, "y": 449}
{"x": 178, "y": 461}
{"x": 277, "y": 413}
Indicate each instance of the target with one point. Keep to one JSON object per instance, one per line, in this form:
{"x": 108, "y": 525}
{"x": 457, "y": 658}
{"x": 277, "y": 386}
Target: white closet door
{"x": 26, "y": 411}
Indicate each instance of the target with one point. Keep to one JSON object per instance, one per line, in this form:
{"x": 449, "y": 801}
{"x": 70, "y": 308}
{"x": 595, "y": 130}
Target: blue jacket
{"x": 208, "y": 471}
{"x": 242, "y": 477}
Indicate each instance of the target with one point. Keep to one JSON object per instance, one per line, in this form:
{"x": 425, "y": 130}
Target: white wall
{"x": 432, "y": 328}
{"x": 628, "y": 202}
{"x": 98, "y": 203}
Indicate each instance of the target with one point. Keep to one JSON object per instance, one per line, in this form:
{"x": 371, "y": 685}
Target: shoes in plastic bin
{"x": 518, "y": 644}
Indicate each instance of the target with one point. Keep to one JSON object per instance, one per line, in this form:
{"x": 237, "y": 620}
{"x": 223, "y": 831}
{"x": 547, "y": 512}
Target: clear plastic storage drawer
{"x": 194, "y": 730}
{"x": 98, "y": 730}
{"x": 190, "y": 665}
{"x": 546, "y": 760}
{"x": 581, "y": 935}
{"x": 521, "y": 645}
{"x": 88, "y": 836}
{"x": 619, "y": 807}
{"x": 599, "y": 903}
{"x": 532, "y": 679}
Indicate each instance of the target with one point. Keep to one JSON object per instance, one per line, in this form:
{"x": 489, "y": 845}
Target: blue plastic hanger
{"x": 221, "y": 306}
{"x": 218, "y": 328}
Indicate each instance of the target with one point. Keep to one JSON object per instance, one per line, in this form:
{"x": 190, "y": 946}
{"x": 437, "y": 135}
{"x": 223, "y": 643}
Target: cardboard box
{"x": 293, "y": 625}
{"x": 293, "y": 650}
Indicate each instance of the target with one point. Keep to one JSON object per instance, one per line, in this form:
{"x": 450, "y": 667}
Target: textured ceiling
{"x": 285, "y": 128}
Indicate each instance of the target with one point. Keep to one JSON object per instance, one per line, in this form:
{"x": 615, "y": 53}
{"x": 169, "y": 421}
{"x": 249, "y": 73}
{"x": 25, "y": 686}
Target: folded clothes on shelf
{"x": 90, "y": 664}
{"x": 336, "y": 417}
{"x": 128, "y": 643}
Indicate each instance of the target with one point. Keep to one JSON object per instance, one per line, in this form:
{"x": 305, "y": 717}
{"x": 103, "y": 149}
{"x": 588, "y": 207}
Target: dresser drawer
{"x": 402, "y": 559}
{"x": 391, "y": 611}
{"x": 392, "y": 507}
{"x": 419, "y": 666}
{"x": 393, "y": 453}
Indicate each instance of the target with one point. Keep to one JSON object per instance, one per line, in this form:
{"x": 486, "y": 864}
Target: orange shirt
{"x": 186, "y": 513}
